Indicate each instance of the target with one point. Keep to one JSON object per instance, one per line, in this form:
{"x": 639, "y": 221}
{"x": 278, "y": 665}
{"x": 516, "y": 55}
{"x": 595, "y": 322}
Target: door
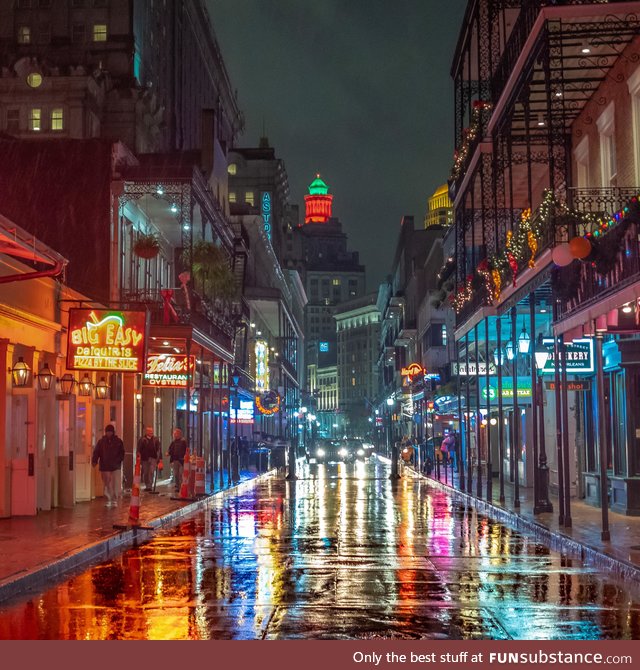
{"x": 23, "y": 489}
{"x": 82, "y": 459}
{"x": 46, "y": 457}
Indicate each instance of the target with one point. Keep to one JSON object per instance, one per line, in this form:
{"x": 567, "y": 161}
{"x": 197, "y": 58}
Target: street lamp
{"x": 102, "y": 389}
{"x": 20, "y": 373}
{"x": 45, "y": 377}
{"x": 542, "y": 502}
{"x": 85, "y": 386}
{"x": 67, "y": 382}
{"x": 524, "y": 341}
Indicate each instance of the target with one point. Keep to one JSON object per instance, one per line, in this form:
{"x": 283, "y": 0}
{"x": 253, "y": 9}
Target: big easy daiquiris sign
{"x": 108, "y": 340}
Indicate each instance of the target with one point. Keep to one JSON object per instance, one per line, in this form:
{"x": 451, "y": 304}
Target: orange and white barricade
{"x": 200, "y": 489}
{"x": 134, "y": 506}
{"x": 184, "y": 488}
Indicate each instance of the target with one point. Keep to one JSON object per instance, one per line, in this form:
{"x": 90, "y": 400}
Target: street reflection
{"x": 343, "y": 552}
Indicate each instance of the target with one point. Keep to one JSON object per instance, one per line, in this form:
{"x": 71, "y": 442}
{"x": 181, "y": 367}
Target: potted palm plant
{"x": 146, "y": 246}
{"x": 211, "y": 271}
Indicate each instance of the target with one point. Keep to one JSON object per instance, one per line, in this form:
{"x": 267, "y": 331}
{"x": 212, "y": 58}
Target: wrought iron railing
{"x": 601, "y": 201}
{"x": 529, "y": 11}
{"x": 213, "y": 318}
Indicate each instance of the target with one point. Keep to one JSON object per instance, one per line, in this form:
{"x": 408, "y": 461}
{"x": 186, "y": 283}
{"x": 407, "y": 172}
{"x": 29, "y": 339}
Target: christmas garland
{"x": 469, "y": 137}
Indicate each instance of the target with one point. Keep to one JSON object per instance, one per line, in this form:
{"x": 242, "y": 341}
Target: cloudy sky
{"x": 358, "y": 90}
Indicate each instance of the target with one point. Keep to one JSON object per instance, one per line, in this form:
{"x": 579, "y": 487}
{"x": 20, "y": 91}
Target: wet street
{"x": 341, "y": 553}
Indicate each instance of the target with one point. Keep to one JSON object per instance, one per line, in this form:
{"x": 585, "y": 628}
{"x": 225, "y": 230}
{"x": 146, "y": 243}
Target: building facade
{"x": 543, "y": 184}
{"x": 358, "y": 329}
{"x": 439, "y": 208}
{"x": 137, "y": 72}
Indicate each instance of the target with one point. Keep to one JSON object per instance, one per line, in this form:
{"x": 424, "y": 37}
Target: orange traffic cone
{"x": 184, "y": 488}
{"x": 134, "y": 507}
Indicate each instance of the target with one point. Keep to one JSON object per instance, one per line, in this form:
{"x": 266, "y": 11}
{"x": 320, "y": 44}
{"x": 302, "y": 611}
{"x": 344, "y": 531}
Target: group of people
{"x": 444, "y": 451}
{"x": 108, "y": 454}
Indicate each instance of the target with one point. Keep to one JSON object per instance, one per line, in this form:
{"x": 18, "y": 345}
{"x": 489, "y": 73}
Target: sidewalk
{"x": 38, "y": 549}
{"x": 621, "y": 555}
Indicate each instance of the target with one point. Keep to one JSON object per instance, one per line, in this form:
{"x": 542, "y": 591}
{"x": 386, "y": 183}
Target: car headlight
{"x": 360, "y": 452}
{"x": 320, "y": 452}
{"x": 343, "y": 452}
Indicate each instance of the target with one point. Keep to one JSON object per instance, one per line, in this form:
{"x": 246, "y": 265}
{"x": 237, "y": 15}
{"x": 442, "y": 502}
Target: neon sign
{"x": 262, "y": 366}
{"x": 244, "y": 414}
{"x": 413, "y": 370}
{"x": 269, "y": 403}
{"x": 106, "y": 340}
{"x": 168, "y": 370}
{"x": 266, "y": 213}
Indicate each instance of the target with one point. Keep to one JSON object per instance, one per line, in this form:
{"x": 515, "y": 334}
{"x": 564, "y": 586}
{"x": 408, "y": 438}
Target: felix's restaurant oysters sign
{"x": 106, "y": 340}
{"x": 168, "y": 371}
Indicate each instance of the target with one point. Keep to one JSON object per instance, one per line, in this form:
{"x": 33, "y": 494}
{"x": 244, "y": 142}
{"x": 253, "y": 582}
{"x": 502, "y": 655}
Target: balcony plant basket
{"x": 211, "y": 271}
{"x": 146, "y": 246}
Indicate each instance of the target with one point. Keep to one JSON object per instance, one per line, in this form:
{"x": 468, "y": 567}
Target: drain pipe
{"x": 52, "y": 272}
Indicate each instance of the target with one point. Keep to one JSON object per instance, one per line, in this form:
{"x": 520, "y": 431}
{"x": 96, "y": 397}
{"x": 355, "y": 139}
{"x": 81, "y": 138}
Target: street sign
{"x": 571, "y": 386}
{"x": 578, "y": 354}
{"x": 461, "y": 369}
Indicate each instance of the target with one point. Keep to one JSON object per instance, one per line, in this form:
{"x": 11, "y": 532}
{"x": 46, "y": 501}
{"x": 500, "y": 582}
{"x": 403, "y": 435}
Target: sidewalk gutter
{"x": 552, "y": 538}
{"x": 107, "y": 547}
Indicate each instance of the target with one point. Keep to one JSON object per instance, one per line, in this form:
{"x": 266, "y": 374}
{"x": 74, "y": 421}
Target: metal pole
{"x": 605, "y": 534}
{"x": 556, "y": 364}
{"x": 458, "y": 446}
{"x": 488, "y": 379}
{"x": 236, "y": 449}
{"x": 543, "y": 504}
{"x": 478, "y": 418}
{"x": 500, "y": 414}
{"x": 534, "y": 398}
{"x": 468, "y": 426}
{"x": 515, "y": 447}
{"x": 220, "y": 426}
{"x": 565, "y": 435}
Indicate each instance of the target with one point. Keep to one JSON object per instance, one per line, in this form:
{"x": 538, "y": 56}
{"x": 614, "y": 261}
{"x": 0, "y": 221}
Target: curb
{"x": 552, "y": 538}
{"x": 111, "y": 544}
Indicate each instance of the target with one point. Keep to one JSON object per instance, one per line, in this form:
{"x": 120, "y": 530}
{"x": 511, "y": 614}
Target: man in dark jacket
{"x": 150, "y": 451}
{"x": 109, "y": 452}
{"x": 177, "y": 451}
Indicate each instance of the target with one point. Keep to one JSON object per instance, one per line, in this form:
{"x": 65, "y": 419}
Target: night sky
{"x": 358, "y": 90}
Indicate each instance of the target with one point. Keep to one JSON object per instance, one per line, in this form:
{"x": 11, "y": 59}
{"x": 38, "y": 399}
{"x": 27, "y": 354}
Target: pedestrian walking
{"x": 150, "y": 453}
{"x": 109, "y": 453}
{"x": 177, "y": 450}
{"x": 447, "y": 447}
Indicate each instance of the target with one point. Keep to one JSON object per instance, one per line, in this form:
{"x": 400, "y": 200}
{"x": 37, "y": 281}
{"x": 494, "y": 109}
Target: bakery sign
{"x": 106, "y": 340}
{"x": 168, "y": 371}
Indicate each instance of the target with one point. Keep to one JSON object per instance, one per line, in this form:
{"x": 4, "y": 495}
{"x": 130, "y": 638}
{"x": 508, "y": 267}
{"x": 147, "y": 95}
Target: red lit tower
{"x": 318, "y": 202}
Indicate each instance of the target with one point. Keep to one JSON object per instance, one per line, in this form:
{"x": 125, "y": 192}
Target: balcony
{"x": 615, "y": 260}
{"x": 214, "y": 320}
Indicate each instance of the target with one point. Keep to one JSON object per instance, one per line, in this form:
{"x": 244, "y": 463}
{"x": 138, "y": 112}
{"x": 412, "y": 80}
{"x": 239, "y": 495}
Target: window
{"x": 606, "y": 128}
{"x": 634, "y": 89}
{"x": 581, "y": 155}
{"x": 35, "y": 120}
{"x": 24, "y": 35}
{"x": 249, "y": 198}
{"x": 100, "y": 32}
{"x": 13, "y": 120}
{"x": 336, "y": 282}
{"x": 444, "y": 335}
{"x": 77, "y": 33}
{"x": 232, "y": 169}
{"x": 232, "y": 197}
{"x": 44, "y": 4}
{"x": 57, "y": 119}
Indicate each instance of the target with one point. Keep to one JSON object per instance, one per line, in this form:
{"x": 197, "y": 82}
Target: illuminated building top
{"x": 318, "y": 203}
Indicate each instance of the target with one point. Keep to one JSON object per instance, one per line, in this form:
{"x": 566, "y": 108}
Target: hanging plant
{"x": 211, "y": 271}
{"x": 146, "y": 246}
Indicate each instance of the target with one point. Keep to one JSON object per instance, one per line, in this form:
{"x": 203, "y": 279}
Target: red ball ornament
{"x": 580, "y": 247}
{"x": 562, "y": 255}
